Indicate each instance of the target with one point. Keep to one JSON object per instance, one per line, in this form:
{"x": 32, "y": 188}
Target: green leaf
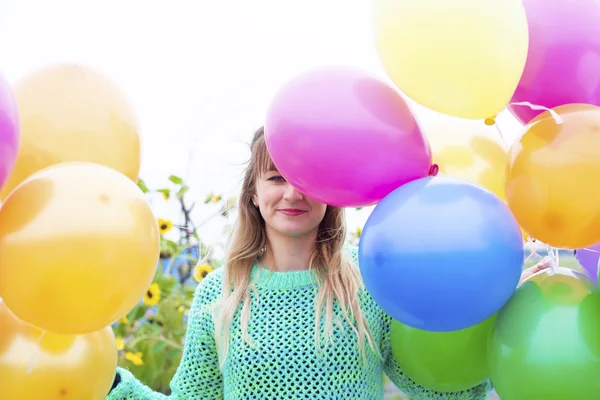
{"x": 176, "y": 180}
{"x": 171, "y": 317}
{"x": 209, "y": 198}
{"x": 137, "y": 313}
{"x": 172, "y": 246}
{"x": 167, "y": 284}
{"x": 166, "y": 193}
{"x": 169, "y": 247}
{"x": 173, "y": 353}
{"x": 182, "y": 191}
{"x": 159, "y": 346}
{"x": 142, "y": 185}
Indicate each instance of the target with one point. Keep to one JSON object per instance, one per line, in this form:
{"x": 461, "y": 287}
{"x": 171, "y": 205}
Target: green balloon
{"x": 546, "y": 342}
{"x": 443, "y": 361}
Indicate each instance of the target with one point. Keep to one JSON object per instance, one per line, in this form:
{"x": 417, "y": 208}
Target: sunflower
{"x": 152, "y": 296}
{"x": 201, "y": 271}
{"x": 120, "y": 343}
{"x": 164, "y": 225}
{"x": 135, "y": 358}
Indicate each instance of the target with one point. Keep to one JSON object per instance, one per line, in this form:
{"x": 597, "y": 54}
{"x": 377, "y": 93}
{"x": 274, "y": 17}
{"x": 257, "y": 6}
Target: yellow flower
{"x": 165, "y": 195}
{"x": 120, "y": 343}
{"x": 152, "y": 296}
{"x": 230, "y": 203}
{"x": 358, "y": 231}
{"x": 216, "y": 199}
{"x": 124, "y": 320}
{"x": 135, "y": 358}
{"x": 184, "y": 310}
{"x": 164, "y": 225}
{"x": 201, "y": 271}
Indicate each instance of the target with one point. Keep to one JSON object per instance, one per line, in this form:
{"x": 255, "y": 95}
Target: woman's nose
{"x": 291, "y": 193}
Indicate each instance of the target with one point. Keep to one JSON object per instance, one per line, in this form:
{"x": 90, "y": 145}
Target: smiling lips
{"x": 292, "y": 212}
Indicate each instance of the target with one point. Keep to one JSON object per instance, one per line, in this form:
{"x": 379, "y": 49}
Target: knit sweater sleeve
{"x": 403, "y": 382}
{"x": 198, "y": 375}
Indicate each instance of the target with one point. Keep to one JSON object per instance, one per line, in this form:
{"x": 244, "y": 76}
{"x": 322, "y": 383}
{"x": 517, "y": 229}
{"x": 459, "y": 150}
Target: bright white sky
{"x": 200, "y": 73}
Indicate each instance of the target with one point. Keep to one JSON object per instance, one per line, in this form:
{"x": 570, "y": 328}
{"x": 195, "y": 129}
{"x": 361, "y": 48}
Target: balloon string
{"x": 557, "y": 118}
{"x": 36, "y": 354}
{"x": 532, "y": 250}
{"x": 553, "y": 256}
{"x": 501, "y": 135}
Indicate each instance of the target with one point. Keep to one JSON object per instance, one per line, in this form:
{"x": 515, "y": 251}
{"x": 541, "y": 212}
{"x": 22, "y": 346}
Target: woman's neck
{"x": 284, "y": 254}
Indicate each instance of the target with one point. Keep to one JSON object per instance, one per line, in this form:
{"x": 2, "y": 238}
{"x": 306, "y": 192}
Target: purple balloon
{"x": 563, "y": 63}
{"x": 9, "y": 131}
{"x": 589, "y": 258}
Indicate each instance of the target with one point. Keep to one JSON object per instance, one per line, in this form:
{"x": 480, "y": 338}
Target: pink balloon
{"x": 563, "y": 64}
{"x": 9, "y": 131}
{"x": 345, "y": 138}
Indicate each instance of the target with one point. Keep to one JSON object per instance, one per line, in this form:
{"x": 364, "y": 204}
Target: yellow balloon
{"x": 553, "y": 172}
{"x": 462, "y": 57}
{"x": 73, "y": 113}
{"x": 468, "y": 149}
{"x": 38, "y": 365}
{"x": 79, "y": 247}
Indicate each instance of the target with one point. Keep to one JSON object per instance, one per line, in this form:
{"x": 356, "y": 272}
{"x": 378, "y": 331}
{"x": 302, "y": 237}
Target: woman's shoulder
{"x": 210, "y": 287}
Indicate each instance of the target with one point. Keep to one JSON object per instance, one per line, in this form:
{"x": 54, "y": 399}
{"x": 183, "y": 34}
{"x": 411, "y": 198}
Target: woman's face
{"x": 285, "y": 210}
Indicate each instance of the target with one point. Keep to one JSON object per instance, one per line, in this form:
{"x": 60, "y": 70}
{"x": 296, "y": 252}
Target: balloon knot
{"x": 433, "y": 171}
{"x": 490, "y": 121}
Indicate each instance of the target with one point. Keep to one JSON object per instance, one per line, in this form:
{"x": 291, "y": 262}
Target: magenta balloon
{"x": 563, "y": 63}
{"x": 588, "y": 258}
{"x": 345, "y": 138}
{"x": 9, "y": 131}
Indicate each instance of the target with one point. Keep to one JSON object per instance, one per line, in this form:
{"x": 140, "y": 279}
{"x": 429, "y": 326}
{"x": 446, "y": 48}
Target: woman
{"x": 287, "y": 317}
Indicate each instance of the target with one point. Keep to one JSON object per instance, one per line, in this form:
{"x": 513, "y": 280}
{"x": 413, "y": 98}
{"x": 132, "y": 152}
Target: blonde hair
{"x": 339, "y": 278}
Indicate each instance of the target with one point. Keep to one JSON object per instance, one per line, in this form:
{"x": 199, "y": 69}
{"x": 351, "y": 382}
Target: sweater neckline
{"x": 265, "y": 278}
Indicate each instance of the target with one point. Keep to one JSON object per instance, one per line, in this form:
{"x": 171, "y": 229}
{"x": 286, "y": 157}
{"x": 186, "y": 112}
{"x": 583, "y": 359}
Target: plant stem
{"x": 160, "y": 338}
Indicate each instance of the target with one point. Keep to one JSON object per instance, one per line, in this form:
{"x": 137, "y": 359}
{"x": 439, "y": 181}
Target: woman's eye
{"x": 277, "y": 178}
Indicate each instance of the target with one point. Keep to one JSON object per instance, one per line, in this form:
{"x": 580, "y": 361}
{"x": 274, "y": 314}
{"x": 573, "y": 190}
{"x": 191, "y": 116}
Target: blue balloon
{"x": 441, "y": 254}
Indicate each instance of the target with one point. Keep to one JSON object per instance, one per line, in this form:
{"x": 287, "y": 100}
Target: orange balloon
{"x": 79, "y": 247}
{"x": 37, "y": 365}
{"x": 553, "y": 172}
{"x": 73, "y": 113}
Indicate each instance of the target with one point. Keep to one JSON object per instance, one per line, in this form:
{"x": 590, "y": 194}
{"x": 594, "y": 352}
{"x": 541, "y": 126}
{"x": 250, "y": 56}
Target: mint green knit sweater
{"x": 285, "y": 364}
